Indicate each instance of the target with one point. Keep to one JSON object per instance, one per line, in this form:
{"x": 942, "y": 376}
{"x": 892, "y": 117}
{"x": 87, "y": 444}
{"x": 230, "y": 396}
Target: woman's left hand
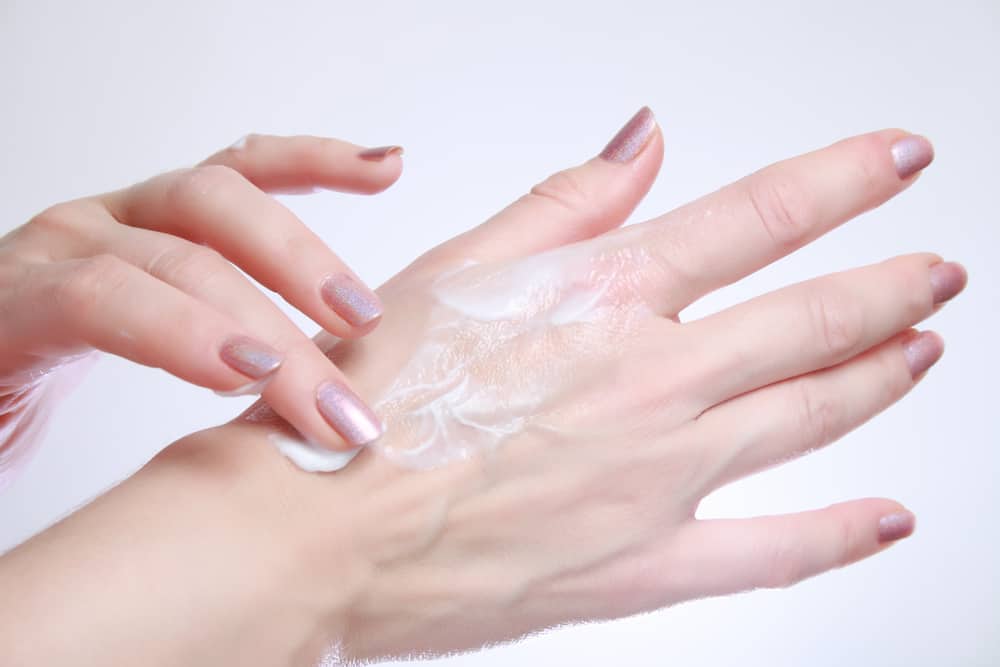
{"x": 150, "y": 273}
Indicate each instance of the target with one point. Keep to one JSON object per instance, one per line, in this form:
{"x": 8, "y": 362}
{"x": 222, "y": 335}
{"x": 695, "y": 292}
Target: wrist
{"x": 286, "y": 539}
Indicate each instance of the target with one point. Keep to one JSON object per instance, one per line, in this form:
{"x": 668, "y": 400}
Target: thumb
{"x": 575, "y": 204}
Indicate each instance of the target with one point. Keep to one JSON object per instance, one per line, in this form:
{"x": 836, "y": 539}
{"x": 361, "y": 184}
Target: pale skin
{"x": 220, "y": 551}
{"x": 114, "y": 271}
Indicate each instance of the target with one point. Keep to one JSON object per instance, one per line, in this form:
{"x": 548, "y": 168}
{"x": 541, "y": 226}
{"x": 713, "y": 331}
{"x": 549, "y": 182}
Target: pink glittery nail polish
{"x": 353, "y": 302}
{"x": 911, "y": 154}
{"x": 922, "y": 351}
{"x": 896, "y": 526}
{"x": 631, "y": 138}
{"x": 380, "y": 153}
{"x": 347, "y": 413}
{"x": 250, "y": 357}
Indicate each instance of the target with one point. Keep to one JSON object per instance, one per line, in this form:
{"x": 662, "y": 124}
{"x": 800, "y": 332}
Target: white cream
{"x": 502, "y": 345}
{"x": 309, "y": 457}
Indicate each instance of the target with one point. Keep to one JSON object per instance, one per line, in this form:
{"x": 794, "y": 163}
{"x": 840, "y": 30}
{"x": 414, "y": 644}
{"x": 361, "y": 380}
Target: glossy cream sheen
{"x": 499, "y": 351}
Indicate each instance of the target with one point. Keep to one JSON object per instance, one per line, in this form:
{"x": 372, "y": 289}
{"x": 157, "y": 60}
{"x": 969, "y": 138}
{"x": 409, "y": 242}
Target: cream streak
{"x": 498, "y": 353}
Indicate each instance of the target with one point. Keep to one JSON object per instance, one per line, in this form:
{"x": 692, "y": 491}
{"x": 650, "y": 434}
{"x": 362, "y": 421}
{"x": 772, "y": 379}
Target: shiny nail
{"x": 922, "y": 351}
{"x": 896, "y": 526}
{"x": 947, "y": 280}
{"x": 380, "y": 153}
{"x": 631, "y": 138}
{"x": 911, "y": 154}
{"x": 347, "y": 414}
{"x": 353, "y": 302}
{"x": 250, "y": 357}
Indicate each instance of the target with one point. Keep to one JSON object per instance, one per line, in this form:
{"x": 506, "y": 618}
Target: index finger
{"x": 739, "y": 229}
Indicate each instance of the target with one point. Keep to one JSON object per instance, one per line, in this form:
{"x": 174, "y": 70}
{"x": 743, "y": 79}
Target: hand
{"x": 571, "y": 424}
{"x": 573, "y": 502}
{"x": 149, "y": 273}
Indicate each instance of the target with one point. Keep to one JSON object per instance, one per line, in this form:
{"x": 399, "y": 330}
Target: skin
{"x": 251, "y": 561}
{"x": 113, "y": 271}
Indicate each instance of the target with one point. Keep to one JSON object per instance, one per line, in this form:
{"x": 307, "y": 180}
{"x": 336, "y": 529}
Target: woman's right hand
{"x": 150, "y": 273}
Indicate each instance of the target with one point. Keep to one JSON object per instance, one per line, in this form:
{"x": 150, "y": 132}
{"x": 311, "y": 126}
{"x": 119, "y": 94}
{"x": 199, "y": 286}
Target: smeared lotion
{"x": 502, "y": 344}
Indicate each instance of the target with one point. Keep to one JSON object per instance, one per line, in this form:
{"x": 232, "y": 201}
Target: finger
{"x": 215, "y": 206}
{"x": 735, "y": 231}
{"x": 106, "y": 303}
{"x": 334, "y": 418}
{"x": 297, "y": 164}
{"x": 722, "y": 556}
{"x": 817, "y": 323}
{"x": 575, "y": 204}
{"x": 791, "y": 418}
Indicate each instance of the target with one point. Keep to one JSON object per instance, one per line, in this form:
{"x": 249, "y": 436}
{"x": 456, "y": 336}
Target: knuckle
{"x": 59, "y": 218}
{"x": 820, "y": 415}
{"x": 846, "y": 544}
{"x": 91, "y": 283}
{"x": 869, "y": 164}
{"x": 566, "y": 190}
{"x": 190, "y": 188}
{"x": 836, "y": 320}
{"x": 784, "y": 211}
{"x": 786, "y": 563}
{"x": 186, "y": 264}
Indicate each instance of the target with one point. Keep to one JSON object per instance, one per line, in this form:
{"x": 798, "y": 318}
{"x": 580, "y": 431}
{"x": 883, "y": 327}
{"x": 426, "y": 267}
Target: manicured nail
{"x": 947, "y": 280}
{"x": 911, "y": 154}
{"x": 896, "y": 526}
{"x": 356, "y": 304}
{"x": 922, "y": 351}
{"x": 380, "y": 153}
{"x": 250, "y": 357}
{"x": 347, "y": 414}
{"x": 631, "y": 138}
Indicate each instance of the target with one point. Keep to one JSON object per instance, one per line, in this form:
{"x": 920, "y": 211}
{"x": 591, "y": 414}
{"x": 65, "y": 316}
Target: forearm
{"x": 196, "y": 560}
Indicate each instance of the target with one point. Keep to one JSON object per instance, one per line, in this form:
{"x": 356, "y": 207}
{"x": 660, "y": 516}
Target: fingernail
{"x": 347, "y": 414}
{"x": 947, "y": 280}
{"x": 354, "y": 302}
{"x": 631, "y": 138}
{"x": 911, "y": 154}
{"x": 380, "y": 153}
{"x": 896, "y": 526}
{"x": 922, "y": 351}
{"x": 250, "y": 357}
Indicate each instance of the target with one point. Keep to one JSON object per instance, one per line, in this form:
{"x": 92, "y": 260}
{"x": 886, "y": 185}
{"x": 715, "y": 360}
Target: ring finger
{"x": 815, "y": 324}
{"x": 791, "y": 418}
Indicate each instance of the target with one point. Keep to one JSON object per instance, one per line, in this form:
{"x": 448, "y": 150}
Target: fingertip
{"x": 387, "y": 169}
{"x": 896, "y": 525}
{"x": 353, "y": 302}
{"x": 347, "y": 414}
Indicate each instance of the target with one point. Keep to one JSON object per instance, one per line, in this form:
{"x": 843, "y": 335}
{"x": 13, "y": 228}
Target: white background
{"x": 488, "y": 100}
